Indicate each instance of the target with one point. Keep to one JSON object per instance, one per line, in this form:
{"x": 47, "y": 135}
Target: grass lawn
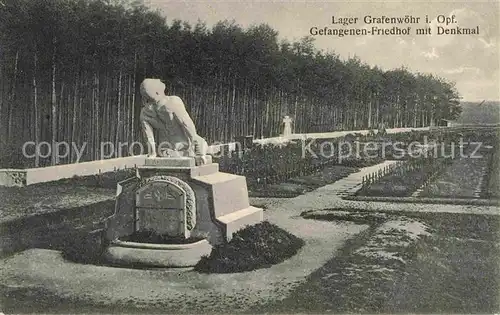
{"x": 19, "y": 202}
{"x": 453, "y": 268}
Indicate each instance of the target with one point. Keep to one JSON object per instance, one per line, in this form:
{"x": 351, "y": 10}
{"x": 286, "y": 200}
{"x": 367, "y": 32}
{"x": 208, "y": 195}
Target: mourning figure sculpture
{"x": 169, "y": 130}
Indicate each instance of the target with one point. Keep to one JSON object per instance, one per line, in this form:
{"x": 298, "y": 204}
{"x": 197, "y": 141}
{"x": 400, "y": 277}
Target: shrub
{"x": 254, "y": 247}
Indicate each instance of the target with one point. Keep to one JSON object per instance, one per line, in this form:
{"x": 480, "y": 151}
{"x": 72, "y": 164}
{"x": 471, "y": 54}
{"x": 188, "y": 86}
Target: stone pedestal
{"x": 174, "y": 197}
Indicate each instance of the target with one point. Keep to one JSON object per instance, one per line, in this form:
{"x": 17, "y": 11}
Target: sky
{"x": 471, "y": 61}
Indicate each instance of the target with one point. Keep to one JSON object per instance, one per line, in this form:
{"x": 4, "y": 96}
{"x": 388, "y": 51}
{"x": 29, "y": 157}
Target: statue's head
{"x": 152, "y": 90}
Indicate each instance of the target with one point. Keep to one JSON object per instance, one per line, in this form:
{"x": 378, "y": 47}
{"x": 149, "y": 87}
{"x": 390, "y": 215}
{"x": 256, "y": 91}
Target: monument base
{"x": 203, "y": 202}
{"x": 225, "y": 198}
{"x": 156, "y": 255}
{"x": 181, "y": 161}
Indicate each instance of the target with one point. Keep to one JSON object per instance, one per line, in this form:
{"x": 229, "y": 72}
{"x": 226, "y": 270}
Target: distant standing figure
{"x": 287, "y": 126}
{"x": 381, "y": 130}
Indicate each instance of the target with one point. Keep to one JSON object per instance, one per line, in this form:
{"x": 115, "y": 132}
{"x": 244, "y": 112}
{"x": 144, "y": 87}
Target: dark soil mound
{"x": 254, "y": 247}
{"x": 86, "y": 248}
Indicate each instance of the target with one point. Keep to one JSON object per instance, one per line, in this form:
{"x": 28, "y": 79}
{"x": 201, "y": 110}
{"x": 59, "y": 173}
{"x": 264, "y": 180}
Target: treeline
{"x": 70, "y": 71}
{"x": 486, "y": 112}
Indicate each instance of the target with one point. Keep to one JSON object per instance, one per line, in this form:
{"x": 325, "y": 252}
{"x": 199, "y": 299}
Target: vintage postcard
{"x": 257, "y": 157}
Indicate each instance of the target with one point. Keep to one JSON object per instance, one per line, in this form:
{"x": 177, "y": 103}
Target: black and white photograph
{"x": 249, "y": 157}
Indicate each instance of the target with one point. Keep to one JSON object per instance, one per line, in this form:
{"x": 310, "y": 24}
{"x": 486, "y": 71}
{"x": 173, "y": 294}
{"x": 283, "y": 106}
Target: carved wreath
{"x": 190, "y": 197}
{"x": 19, "y": 178}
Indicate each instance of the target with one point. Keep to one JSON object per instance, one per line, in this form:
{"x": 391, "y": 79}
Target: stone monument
{"x": 178, "y": 192}
{"x": 287, "y": 126}
{"x": 167, "y": 116}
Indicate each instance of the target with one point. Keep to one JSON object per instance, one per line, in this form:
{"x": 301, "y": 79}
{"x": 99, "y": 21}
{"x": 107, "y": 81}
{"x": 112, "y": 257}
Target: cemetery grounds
{"x": 382, "y": 235}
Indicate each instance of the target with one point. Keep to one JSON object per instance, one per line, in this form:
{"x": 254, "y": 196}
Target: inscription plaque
{"x": 163, "y": 221}
{"x": 161, "y": 207}
{"x": 161, "y": 195}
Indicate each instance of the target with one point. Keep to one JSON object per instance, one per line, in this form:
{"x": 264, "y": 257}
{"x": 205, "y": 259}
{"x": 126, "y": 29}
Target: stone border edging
{"x": 128, "y": 244}
{"x": 156, "y": 255}
{"x": 29, "y": 176}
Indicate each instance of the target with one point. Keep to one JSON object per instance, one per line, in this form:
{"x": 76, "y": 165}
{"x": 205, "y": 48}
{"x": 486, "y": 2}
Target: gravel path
{"x": 168, "y": 290}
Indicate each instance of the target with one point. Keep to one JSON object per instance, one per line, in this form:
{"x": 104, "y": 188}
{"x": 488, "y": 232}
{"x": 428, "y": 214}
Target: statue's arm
{"x": 148, "y": 131}
{"x": 183, "y": 117}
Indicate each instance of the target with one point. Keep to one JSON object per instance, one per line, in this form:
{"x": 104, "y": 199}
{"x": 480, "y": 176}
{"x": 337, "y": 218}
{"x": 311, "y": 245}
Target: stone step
{"x": 241, "y": 218}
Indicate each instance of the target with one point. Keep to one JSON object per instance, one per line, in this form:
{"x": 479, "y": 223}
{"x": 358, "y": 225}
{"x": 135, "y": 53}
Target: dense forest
{"x": 70, "y": 71}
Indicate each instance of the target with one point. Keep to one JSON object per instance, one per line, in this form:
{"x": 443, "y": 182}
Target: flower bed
{"x": 493, "y": 177}
{"x": 465, "y": 178}
{"x": 271, "y": 164}
{"x": 404, "y": 179}
{"x": 298, "y": 185}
